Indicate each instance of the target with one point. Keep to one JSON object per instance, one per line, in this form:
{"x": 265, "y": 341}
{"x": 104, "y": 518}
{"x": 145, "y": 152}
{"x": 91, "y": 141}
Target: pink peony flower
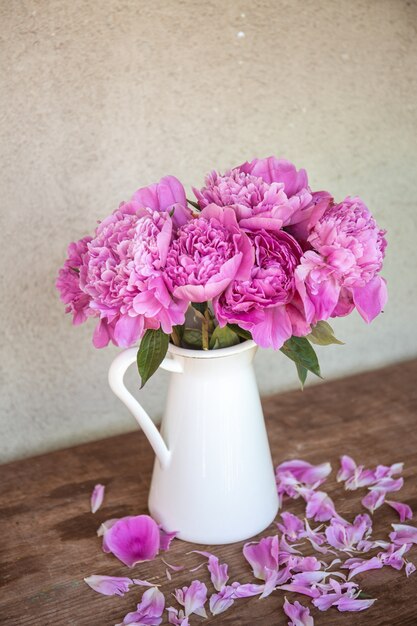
{"x": 208, "y": 253}
{"x": 342, "y": 271}
{"x": 68, "y": 283}
{"x": 167, "y": 195}
{"x": 264, "y": 303}
{"x": 265, "y": 193}
{"x": 123, "y": 275}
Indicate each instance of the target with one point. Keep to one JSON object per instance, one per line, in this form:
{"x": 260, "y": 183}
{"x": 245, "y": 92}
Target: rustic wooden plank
{"x": 48, "y": 536}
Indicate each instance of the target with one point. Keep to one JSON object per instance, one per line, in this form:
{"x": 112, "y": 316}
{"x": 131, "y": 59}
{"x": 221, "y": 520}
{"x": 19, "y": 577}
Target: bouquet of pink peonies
{"x": 259, "y": 256}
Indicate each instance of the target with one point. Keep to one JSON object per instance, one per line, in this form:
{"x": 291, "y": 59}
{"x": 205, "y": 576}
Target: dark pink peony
{"x": 266, "y": 304}
{"x": 209, "y": 252}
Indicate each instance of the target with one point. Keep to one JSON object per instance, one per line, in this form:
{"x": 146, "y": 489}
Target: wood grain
{"x": 48, "y": 536}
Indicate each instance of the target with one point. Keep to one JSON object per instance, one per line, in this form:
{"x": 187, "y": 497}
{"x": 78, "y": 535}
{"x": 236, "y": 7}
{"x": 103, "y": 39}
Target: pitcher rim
{"x": 212, "y": 354}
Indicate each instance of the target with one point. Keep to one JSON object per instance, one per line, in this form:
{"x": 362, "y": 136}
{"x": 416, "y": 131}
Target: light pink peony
{"x": 343, "y": 273}
{"x": 68, "y": 283}
{"x": 267, "y": 304}
{"x": 209, "y": 252}
{"x": 123, "y": 275}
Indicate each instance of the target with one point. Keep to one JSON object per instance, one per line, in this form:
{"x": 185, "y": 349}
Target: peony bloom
{"x": 267, "y": 193}
{"x": 123, "y": 275}
{"x": 167, "y": 195}
{"x": 343, "y": 273}
{"x": 208, "y": 253}
{"x": 68, "y": 283}
{"x": 265, "y": 303}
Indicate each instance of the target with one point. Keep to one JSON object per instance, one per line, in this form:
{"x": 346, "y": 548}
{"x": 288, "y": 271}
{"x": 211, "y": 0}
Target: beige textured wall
{"x": 103, "y": 96}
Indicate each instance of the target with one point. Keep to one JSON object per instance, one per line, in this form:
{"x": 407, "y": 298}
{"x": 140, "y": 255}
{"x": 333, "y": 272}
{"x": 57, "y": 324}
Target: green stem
{"x": 205, "y": 333}
{"x": 175, "y": 337}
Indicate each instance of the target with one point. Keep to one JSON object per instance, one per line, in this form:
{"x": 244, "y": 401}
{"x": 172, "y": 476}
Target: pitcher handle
{"x": 116, "y": 381}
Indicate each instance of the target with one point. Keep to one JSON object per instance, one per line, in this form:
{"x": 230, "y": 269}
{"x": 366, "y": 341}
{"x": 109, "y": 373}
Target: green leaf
{"x": 223, "y": 338}
{"x": 302, "y": 374}
{"x": 194, "y": 204}
{"x": 245, "y": 334}
{"x": 151, "y": 353}
{"x": 322, "y": 335}
{"x": 193, "y": 337}
{"x": 299, "y": 350}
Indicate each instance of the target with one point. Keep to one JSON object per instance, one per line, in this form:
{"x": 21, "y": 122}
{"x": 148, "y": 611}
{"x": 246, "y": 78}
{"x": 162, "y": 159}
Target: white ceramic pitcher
{"x": 213, "y": 478}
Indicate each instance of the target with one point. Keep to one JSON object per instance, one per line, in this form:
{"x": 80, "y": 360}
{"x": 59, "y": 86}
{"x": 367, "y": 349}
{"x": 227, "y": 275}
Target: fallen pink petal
{"x": 218, "y": 571}
{"x": 97, "y": 497}
{"x": 404, "y": 511}
{"x": 319, "y": 506}
{"x": 364, "y": 565}
{"x": 410, "y": 568}
{"x": 192, "y": 598}
{"x": 133, "y": 539}
{"x": 109, "y": 585}
{"x": 174, "y": 568}
{"x": 177, "y": 617}
{"x": 149, "y": 610}
{"x": 166, "y": 538}
{"x": 220, "y": 602}
{"x": 374, "y": 499}
{"x": 298, "y": 614}
{"x": 262, "y": 555}
{"x": 403, "y": 533}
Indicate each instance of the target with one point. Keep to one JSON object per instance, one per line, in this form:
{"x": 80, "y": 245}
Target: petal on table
{"x": 109, "y": 585}
{"x": 133, "y": 539}
{"x": 97, "y": 497}
{"x": 262, "y": 555}
{"x": 403, "y": 510}
{"x": 166, "y": 538}
{"x": 403, "y": 533}
{"x": 299, "y": 614}
{"x": 193, "y": 598}
{"x": 148, "y": 611}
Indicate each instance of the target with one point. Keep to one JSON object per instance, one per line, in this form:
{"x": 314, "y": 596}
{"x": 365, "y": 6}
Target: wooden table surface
{"x": 48, "y": 536}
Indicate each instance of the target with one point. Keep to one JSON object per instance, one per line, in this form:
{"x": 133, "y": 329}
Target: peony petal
{"x": 97, "y": 498}
{"x": 177, "y": 617}
{"x": 365, "y": 565}
{"x": 175, "y": 568}
{"x": 133, "y": 539}
{"x": 193, "y": 598}
{"x": 410, "y": 568}
{"x": 320, "y": 506}
{"x": 371, "y": 299}
{"x": 149, "y": 610}
{"x": 220, "y": 602}
{"x": 353, "y": 604}
{"x": 403, "y": 534}
{"x": 298, "y": 614}
{"x": 109, "y": 585}
{"x": 374, "y": 499}
{"x": 262, "y": 555}
{"x": 166, "y": 538}
{"x": 218, "y": 571}
{"x": 403, "y": 510}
